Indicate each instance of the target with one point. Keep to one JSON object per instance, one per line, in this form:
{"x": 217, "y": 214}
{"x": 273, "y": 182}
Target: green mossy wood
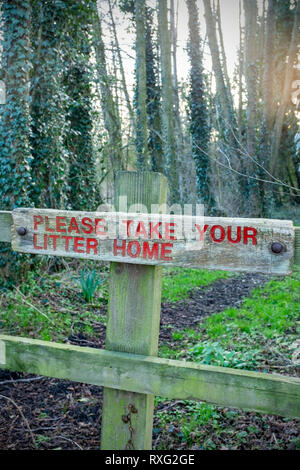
{"x": 252, "y": 391}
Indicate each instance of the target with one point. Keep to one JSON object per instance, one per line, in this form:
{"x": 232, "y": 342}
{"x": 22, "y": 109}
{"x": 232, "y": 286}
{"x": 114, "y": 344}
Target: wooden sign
{"x": 252, "y": 245}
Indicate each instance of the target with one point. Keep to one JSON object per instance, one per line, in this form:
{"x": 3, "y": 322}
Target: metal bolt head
{"x": 132, "y": 408}
{"x": 277, "y": 248}
{"x": 21, "y": 231}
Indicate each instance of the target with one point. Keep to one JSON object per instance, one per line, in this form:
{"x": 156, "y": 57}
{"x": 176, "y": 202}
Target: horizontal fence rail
{"x": 248, "y": 390}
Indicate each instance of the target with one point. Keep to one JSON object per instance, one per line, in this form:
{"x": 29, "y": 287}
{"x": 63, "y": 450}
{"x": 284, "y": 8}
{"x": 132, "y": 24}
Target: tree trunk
{"x": 168, "y": 104}
{"x": 286, "y": 96}
{"x": 269, "y": 109}
{"x": 199, "y": 126}
{"x": 15, "y": 174}
{"x": 254, "y": 189}
{"x": 223, "y": 96}
{"x": 108, "y": 106}
{"x": 250, "y": 8}
{"x": 153, "y": 97}
{"x": 223, "y": 54}
{"x": 179, "y": 142}
{"x": 241, "y": 66}
{"x": 16, "y": 185}
{"x": 141, "y": 87}
{"x": 123, "y": 79}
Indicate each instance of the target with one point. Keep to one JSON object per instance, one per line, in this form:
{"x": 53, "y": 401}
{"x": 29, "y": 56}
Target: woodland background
{"x": 175, "y": 86}
{"x": 74, "y": 115}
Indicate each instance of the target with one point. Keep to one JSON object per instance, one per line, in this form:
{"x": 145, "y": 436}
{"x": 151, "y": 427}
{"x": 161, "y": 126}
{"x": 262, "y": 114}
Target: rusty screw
{"x": 277, "y": 248}
{"x": 125, "y": 419}
{"x": 21, "y": 231}
{"x": 132, "y": 408}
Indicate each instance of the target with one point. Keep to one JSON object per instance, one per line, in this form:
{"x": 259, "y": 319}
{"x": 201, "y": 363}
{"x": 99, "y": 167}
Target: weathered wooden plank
{"x": 157, "y": 239}
{"x": 5, "y": 226}
{"x": 253, "y": 391}
{"x": 133, "y": 323}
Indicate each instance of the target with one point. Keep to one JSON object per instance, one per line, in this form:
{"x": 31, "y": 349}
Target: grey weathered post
{"x": 133, "y": 323}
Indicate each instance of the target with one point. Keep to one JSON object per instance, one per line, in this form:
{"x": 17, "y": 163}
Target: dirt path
{"x": 58, "y": 414}
{"x": 201, "y": 303}
{"x": 207, "y": 301}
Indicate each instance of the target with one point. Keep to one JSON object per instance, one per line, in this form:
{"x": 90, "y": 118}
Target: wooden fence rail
{"x": 252, "y": 391}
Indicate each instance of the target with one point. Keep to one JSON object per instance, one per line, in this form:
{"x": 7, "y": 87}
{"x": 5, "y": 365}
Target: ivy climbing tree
{"x": 15, "y": 157}
{"x": 78, "y": 82}
{"x": 50, "y": 167}
{"x": 153, "y": 96}
{"x": 198, "y": 112}
{"x": 16, "y": 184}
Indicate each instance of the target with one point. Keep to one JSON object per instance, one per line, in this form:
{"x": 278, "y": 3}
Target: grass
{"x": 270, "y": 311}
{"x": 271, "y": 316}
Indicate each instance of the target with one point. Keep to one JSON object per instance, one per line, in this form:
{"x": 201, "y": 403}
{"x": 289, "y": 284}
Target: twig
{"x": 22, "y": 414}
{"x": 281, "y": 355}
{"x": 70, "y": 440}
{"x": 33, "y": 306}
{"x": 5, "y": 382}
{"x": 229, "y": 167}
{"x": 177, "y": 402}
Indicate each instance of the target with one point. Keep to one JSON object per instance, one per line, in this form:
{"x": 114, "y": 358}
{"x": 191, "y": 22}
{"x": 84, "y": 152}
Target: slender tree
{"x": 50, "y": 166}
{"x": 141, "y": 86}
{"x": 168, "y": 123}
{"x": 108, "y": 105}
{"x": 226, "y": 104}
{"x": 269, "y": 109}
{"x": 251, "y": 75}
{"x": 153, "y": 97}
{"x": 250, "y": 8}
{"x": 78, "y": 80}
{"x": 199, "y": 126}
{"x": 286, "y": 92}
{"x": 222, "y": 51}
{"x": 121, "y": 66}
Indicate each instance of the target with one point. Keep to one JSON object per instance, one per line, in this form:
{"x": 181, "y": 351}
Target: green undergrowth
{"x": 267, "y": 325}
{"x": 53, "y": 307}
{"x": 200, "y": 426}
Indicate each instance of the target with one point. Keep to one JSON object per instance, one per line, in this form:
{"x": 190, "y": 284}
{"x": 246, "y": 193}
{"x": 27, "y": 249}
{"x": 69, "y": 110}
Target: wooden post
{"x": 133, "y": 324}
